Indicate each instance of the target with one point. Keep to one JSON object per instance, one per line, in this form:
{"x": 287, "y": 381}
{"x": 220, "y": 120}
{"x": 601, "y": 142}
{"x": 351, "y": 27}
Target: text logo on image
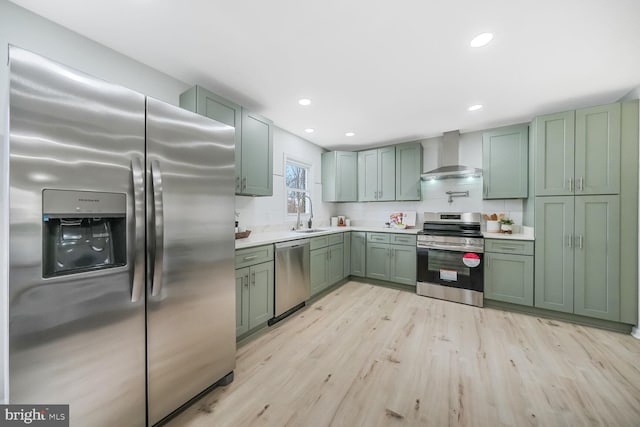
{"x": 34, "y": 415}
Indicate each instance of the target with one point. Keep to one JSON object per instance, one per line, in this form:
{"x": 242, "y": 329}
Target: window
{"x": 297, "y": 186}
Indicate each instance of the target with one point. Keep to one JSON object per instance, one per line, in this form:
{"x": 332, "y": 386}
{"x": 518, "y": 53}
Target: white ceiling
{"x": 388, "y": 71}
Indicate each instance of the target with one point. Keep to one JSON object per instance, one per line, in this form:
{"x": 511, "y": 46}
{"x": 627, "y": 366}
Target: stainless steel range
{"x": 451, "y": 257}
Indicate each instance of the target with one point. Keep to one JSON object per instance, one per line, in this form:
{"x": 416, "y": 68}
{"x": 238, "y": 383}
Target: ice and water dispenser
{"x": 83, "y": 231}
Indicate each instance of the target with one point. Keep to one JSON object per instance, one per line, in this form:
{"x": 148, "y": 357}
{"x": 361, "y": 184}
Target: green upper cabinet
{"x": 339, "y": 176}
{"x": 554, "y": 148}
{"x": 408, "y": 170}
{"x": 505, "y": 160}
{"x": 597, "y": 167}
{"x": 253, "y": 137}
{"x": 377, "y": 174}
{"x": 578, "y": 152}
{"x": 256, "y": 155}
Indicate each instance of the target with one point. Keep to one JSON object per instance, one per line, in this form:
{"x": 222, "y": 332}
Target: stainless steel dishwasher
{"x": 292, "y": 277}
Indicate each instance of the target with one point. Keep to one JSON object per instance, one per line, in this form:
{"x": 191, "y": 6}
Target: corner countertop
{"x": 268, "y": 237}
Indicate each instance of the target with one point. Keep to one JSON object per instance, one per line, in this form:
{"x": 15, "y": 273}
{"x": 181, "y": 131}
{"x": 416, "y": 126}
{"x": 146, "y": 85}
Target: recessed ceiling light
{"x": 475, "y": 107}
{"x": 309, "y": 130}
{"x": 349, "y": 134}
{"x": 481, "y": 39}
{"x": 304, "y": 101}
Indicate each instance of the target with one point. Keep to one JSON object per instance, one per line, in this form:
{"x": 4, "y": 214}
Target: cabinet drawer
{"x": 403, "y": 239}
{"x": 520, "y": 247}
{"x": 319, "y": 242}
{"x": 251, "y": 256}
{"x": 335, "y": 239}
{"x": 378, "y": 237}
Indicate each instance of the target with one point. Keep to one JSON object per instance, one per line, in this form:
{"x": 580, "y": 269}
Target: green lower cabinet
{"x": 327, "y": 267}
{"x": 403, "y": 264}
{"x": 358, "y": 253}
{"x": 597, "y": 257}
{"x": 393, "y": 263}
{"x": 336, "y": 263}
{"x": 242, "y": 301}
{"x": 508, "y": 278}
{"x": 319, "y": 271}
{"x": 554, "y": 253}
{"x": 378, "y": 260}
{"x": 578, "y": 255}
{"x": 254, "y": 296}
{"x": 346, "y": 271}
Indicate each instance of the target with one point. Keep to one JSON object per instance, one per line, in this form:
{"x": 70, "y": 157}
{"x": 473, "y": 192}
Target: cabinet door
{"x": 408, "y": 170}
{"x": 386, "y": 173}
{"x": 554, "y": 253}
{"x": 378, "y": 257}
{"x": 505, "y": 159}
{"x": 358, "y": 253}
{"x": 201, "y": 101}
{"x": 554, "y": 148}
{"x": 256, "y": 155}
{"x": 261, "y": 294}
{"x": 319, "y": 270}
{"x": 597, "y": 169}
{"x": 368, "y": 175}
{"x": 508, "y": 278}
{"x": 346, "y": 176}
{"x": 403, "y": 264}
{"x": 336, "y": 264}
{"x": 328, "y": 179}
{"x": 597, "y": 257}
{"x": 242, "y": 301}
{"x": 346, "y": 271}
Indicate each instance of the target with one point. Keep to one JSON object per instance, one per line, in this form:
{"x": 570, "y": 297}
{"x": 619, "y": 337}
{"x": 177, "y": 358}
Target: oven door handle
{"x": 452, "y": 247}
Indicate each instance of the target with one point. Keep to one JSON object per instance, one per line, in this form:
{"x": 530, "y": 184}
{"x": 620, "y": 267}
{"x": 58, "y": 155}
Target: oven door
{"x": 464, "y": 270}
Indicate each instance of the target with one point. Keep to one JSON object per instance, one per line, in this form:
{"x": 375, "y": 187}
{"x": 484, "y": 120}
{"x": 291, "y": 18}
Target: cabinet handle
{"x": 244, "y": 183}
{"x": 486, "y": 262}
{"x": 380, "y": 197}
{"x": 581, "y": 184}
{"x": 571, "y": 184}
{"x": 485, "y": 190}
{"x": 237, "y": 183}
{"x": 246, "y": 281}
{"x": 570, "y": 241}
{"x": 253, "y": 279}
{"x": 249, "y": 258}
{"x": 580, "y": 241}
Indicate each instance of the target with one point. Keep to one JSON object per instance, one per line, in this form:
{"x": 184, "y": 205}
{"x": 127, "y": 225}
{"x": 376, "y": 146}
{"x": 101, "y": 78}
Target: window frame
{"x": 289, "y": 160}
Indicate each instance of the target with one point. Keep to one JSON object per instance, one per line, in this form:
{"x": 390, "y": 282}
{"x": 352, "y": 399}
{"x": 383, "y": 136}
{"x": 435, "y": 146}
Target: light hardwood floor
{"x": 371, "y": 356}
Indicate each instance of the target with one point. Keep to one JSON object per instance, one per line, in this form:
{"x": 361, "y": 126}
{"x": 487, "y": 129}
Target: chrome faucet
{"x": 309, "y": 223}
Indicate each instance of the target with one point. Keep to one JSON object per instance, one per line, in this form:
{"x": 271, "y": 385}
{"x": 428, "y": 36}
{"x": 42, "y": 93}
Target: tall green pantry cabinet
{"x": 586, "y": 174}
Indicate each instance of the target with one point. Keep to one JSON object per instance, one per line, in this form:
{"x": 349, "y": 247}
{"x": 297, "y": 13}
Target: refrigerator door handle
{"x": 137, "y": 273}
{"x": 158, "y": 228}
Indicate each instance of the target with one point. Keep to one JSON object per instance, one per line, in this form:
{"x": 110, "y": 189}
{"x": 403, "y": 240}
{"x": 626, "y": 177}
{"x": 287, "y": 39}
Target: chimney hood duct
{"x": 448, "y": 166}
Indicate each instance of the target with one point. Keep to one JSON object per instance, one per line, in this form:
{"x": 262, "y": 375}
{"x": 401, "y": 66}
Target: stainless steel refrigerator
{"x": 121, "y": 287}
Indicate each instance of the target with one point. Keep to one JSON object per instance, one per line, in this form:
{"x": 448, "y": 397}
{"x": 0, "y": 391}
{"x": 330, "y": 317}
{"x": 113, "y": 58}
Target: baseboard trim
{"x": 568, "y": 317}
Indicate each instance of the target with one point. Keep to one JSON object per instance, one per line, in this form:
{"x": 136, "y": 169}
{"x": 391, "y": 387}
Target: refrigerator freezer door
{"x": 191, "y": 281}
{"x": 77, "y": 338}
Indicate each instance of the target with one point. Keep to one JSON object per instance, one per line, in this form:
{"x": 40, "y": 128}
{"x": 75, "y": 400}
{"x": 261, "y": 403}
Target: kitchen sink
{"x": 310, "y": 230}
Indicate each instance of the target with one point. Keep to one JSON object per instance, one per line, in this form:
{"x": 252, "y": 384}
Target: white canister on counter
{"x": 493, "y": 226}
{"x": 334, "y": 221}
{"x": 347, "y": 222}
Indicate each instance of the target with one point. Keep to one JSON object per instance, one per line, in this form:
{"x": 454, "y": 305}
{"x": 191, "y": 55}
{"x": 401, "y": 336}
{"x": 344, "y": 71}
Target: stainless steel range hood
{"x": 448, "y": 166}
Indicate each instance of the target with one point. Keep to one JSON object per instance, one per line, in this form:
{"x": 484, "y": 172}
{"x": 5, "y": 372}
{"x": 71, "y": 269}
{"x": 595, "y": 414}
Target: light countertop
{"x": 268, "y": 237}
{"x": 526, "y": 233}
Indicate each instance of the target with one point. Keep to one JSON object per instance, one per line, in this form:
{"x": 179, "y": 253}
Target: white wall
{"x": 24, "y": 29}
{"x": 264, "y": 213}
{"x": 434, "y": 198}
